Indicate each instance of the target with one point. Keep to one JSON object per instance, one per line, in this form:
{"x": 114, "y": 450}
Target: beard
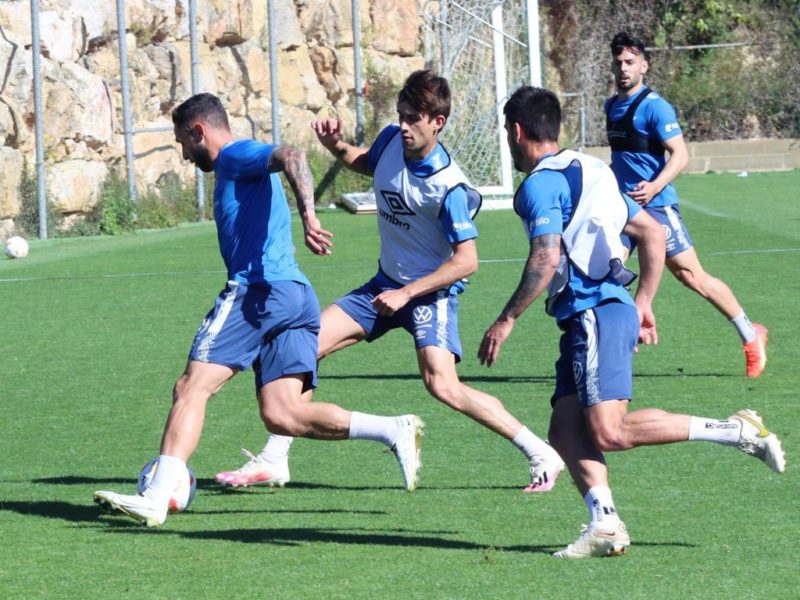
{"x": 202, "y": 160}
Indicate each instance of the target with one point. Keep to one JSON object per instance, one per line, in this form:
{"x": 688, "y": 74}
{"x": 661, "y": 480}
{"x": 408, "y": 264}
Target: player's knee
{"x": 278, "y": 421}
{"x": 186, "y": 390}
{"x": 444, "y": 391}
{"x": 610, "y": 439}
{"x": 693, "y": 281}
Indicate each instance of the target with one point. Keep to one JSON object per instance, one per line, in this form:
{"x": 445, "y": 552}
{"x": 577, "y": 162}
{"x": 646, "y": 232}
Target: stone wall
{"x": 733, "y": 155}
{"x": 83, "y": 123}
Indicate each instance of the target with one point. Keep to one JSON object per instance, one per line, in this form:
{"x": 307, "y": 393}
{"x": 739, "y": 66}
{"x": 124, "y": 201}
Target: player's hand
{"x": 643, "y": 192}
{"x": 647, "y": 325}
{"x": 389, "y": 302}
{"x": 329, "y": 131}
{"x": 493, "y": 339}
{"x": 317, "y": 239}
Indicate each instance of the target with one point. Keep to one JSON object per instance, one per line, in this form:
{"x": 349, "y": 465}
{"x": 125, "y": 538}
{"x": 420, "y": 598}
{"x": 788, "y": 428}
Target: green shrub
{"x": 27, "y": 222}
{"x": 116, "y": 211}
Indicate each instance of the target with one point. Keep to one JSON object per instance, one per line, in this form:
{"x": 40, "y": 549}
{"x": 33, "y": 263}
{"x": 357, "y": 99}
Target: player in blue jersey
{"x": 267, "y": 315}
{"x": 425, "y": 217}
{"x": 642, "y": 128}
{"x": 573, "y": 215}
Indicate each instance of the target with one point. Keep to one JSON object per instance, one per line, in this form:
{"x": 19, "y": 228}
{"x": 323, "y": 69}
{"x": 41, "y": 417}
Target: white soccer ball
{"x": 16, "y": 247}
{"x": 184, "y": 492}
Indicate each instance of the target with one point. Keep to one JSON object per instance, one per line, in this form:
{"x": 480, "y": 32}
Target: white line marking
{"x": 702, "y": 209}
{"x": 317, "y": 268}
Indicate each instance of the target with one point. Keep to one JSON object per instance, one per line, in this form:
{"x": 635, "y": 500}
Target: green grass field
{"x": 94, "y": 332}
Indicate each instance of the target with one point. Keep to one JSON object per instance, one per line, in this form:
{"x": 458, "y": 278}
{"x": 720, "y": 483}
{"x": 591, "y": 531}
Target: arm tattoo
{"x": 294, "y": 165}
{"x": 535, "y": 276}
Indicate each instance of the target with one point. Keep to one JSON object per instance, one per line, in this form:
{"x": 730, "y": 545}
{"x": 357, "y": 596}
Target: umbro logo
{"x": 397, "y": 204}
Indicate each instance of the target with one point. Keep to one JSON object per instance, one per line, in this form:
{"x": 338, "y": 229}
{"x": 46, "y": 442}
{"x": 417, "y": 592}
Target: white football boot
{"x": 408, "y": 448}
{"x": 758, "y": 441}
{"x": 598, "y": 542}
{"x": 256, "y": 471}
{"x": 142, "y": 507}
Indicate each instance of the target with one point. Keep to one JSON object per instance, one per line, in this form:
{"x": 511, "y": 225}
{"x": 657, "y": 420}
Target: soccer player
{"x": 574, "y": 214}
{"x": 425, "y": 221}
{"x": 267, "y": 315}
{"x": 642, "y": 127}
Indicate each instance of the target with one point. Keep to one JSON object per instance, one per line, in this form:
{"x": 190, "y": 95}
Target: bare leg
{"x": 438, "y": 370}
{"x": 190, "y": 396}
{"x": 687, "y": 269}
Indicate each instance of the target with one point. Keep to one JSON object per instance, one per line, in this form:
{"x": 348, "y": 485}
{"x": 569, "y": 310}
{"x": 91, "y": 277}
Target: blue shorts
{"x": 678, "y": 238}
{"x": 596, "y": 359}
{"x": 432, "y": 319}
{"x": 273, "y": 327}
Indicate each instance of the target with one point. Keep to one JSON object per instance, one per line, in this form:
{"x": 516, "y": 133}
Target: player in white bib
{"x": 573, "y": 215}
{"x": 425, "y": 217}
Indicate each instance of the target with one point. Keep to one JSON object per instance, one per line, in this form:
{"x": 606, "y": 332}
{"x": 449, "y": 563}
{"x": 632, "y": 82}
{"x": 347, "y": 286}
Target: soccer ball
{"x": 16, "y": 247}
{"x": 184, "y": 492}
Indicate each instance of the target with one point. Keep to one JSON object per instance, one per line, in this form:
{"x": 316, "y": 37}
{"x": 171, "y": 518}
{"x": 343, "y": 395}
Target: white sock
{"x": 713, "y": 430}
{"x": 372, "y": 427}
{"x": 529, "y": 443}
{"x": 602, "y": 513}
{"x": 276, "y": 450}
{"x": 744, "y": 328}
{"x": 166, "y": 478}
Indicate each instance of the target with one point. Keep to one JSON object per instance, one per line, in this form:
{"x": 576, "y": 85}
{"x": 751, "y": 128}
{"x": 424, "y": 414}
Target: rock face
{"x": 81, "y": 86}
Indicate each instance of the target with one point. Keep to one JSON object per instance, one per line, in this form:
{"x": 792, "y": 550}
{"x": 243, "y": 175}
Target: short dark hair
{"x": 537, "y": 110}
{"x": 625, "y": 39}
{"x": 426, "y": 92}
{"x": 205, "y": 106}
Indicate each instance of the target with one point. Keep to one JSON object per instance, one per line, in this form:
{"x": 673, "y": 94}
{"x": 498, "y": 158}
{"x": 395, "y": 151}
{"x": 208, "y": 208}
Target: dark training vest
{"x": 623, "y": 137}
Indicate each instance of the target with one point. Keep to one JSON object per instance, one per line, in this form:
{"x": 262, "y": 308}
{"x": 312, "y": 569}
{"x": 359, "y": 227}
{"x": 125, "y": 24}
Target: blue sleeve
{"x": 379, "y": 144}
{"x": 539, "y": 202}
{"x": 246, "y": 159}
{"x": 633, "y": 208}
{"x": 661, "y": 119}
{"x": 455, "y": 218}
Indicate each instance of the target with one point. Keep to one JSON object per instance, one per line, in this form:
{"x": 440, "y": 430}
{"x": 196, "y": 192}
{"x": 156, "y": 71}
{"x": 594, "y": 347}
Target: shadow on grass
{"x": 91, "y": 513}
{"x": 85, "y": 513}
{"x": 211, "y": 487}
{"x": 282, "y": 536}
{"x": 512, "y": 378}
{"x": 82, "y": 480}
{"x": 65, "y": 511}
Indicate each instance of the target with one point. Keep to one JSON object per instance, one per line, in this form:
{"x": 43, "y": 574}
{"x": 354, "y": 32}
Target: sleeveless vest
{"x": 590, "y": 241}
{"x": 623, "y": 136}
{"x": 412, "y": 241}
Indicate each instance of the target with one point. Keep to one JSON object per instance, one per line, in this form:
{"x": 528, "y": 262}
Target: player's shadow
{"x": 463, "y": 378}
{"x": 83, "y": 480}
{"x": 65, "y": 511}
{"x": 397, "y": 538}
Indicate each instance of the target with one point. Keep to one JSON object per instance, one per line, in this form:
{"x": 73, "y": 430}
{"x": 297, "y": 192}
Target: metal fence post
{"x": 443, "y": 40}
{"x": 357, "y": 68}
{"x": 199, "y": 181}
{"x": 126, "y": 99}
{"x": 534, "y": 58}
{"x": 41, "y": 183}
{"x": 273, "y": 73}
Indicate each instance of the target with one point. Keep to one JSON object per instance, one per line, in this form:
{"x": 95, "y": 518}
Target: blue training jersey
{"x": 546, "y": 201}
{"x": 654, "y": 119}
{"x": 252, "y": 216}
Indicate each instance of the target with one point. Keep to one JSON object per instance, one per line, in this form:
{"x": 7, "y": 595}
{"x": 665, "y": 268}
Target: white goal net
{"x": 482, "y": 47}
